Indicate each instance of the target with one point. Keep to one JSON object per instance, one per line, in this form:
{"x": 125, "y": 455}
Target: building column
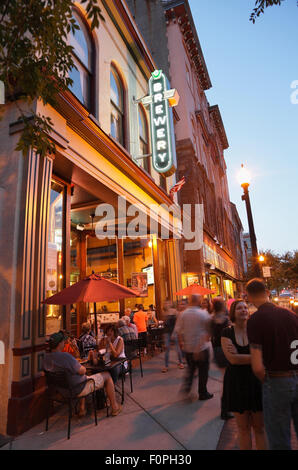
{"x": 120, "y": 258}
{"x": 26, "y": 405}
{"x": 82, "y": 261}
{"x": 156, "y": 270}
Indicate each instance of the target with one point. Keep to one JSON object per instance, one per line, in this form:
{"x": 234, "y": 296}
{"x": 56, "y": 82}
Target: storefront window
{"x": 138, "y": 271}
{"x": 54, "y": 278}
{"x": 102, "y": 259}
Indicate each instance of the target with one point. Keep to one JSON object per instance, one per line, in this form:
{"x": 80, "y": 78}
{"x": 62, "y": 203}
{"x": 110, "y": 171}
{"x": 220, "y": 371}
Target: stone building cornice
{"x": 179, "y": 10}
{"x": 216, "y": 115}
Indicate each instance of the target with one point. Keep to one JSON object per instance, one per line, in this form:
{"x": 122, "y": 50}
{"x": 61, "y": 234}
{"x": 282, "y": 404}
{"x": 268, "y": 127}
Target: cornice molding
{"x": 216, "y": 115}
{"x": 180, "y": 11}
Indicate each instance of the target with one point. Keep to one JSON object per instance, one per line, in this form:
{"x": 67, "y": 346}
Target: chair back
{"x": 58, "y": 380}
{"x": 130, "y": 348}
{"x": 80, "y": 347}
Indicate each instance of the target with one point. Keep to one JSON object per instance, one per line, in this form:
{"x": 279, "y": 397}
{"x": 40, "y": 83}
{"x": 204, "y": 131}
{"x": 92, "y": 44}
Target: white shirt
{"x": 192, "y": 324}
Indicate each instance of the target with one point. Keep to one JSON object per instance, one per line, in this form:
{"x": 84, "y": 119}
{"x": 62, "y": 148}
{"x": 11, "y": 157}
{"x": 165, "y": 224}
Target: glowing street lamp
{"x": 261, "y": 259}
{"x": 244, "y": 179}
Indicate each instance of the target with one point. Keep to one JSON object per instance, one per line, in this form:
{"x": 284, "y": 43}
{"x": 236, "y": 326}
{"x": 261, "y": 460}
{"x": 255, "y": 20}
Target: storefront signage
{"x": 266, "y": 271}
{"x": 161, "y": 99}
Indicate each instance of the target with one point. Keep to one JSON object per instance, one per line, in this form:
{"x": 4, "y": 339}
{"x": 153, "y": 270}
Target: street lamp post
{"x": 244, "y": 180}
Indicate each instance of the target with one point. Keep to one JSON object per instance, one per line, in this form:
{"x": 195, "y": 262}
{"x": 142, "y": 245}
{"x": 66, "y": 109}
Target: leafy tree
{"x": 260, "y": 6}
{"x": 35, "y": 59}
{"x": 284, "y": 270}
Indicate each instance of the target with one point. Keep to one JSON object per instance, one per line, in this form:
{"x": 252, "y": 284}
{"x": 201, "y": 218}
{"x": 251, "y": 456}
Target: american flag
{"x": 177, "y": 187}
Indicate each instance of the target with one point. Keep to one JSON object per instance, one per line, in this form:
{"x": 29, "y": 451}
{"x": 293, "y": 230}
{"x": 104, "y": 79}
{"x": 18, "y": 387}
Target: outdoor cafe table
{"x": 94, "y": 369}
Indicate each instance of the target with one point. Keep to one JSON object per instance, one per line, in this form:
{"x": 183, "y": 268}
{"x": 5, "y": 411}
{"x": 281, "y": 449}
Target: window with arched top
{"x": 117, "y": 106}
{"x": 144, "y": 139}
{"x": 82, "y": 77}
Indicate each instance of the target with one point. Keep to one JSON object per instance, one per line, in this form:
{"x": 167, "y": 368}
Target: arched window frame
{"x": 144, "y": 145}
{"x": 114, "y": 107}
{"x": 90, "y": 70}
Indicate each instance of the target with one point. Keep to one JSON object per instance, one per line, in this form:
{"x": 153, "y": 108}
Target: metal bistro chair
{"x": 58, "y": 382}
{"x": 155, "y": 339}
{"x": 133, "y": 350}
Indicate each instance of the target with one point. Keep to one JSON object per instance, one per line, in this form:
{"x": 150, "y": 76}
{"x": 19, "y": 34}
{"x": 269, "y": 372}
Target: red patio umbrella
{"x": 93, "y": 288}
{"x": 195, "y": 289}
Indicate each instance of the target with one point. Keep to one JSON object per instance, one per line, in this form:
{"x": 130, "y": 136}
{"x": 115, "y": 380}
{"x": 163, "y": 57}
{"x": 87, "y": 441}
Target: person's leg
{"x": 277, "y": 397}
{"x": 110, "y": 390}
{"x": 294, "y": 406}
{"x": 203, "y": 366}
{"x": 82, "y": 407}
{"x": 115, "y": 372}
{"x": 189, "y": 373}
{"x": 257, "y": 421}
{"x": 243, "y": 422}
{"x": 167, "y": 346}
{"x": 179, "y": 353}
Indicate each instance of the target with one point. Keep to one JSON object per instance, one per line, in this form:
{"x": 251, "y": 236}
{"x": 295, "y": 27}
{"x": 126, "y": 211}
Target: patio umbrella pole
{"x": 95, "y": 320}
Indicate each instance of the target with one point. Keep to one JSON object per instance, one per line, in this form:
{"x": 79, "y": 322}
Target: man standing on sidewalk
{"x": 273, "y": 337}
{"x": 193, "y": 329}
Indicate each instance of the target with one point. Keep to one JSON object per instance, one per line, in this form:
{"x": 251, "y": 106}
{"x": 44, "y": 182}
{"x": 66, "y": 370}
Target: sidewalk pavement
{"x": 228, "y": 437}
{"x": 154, "y": 417}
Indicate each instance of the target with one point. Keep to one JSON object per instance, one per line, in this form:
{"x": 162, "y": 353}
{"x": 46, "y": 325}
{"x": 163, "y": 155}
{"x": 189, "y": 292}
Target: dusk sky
{"x": 252, "y": 67}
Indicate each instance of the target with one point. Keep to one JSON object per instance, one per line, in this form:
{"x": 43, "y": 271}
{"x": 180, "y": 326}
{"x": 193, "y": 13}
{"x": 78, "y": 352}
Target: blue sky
{"x": 251, "y": 67}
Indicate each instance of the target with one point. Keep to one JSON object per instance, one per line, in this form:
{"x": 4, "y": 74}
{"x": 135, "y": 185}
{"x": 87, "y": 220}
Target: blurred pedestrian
{"x": 170, "y": 317}
{"x": 273, "y": 339}
{"x": 230, "y": 301}
{"x": 193, "y": 329}
{"x": 207, "y": 305}
{"x": 242, "y": 391}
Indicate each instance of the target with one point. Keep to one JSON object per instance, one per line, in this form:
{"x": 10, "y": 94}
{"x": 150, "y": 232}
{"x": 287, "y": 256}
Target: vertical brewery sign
{"x": 162, "y": 129}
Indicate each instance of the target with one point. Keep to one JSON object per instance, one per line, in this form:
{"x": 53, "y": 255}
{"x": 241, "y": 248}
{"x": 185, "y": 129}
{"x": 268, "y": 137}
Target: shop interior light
{"x": 150, "y": 244}
{"x": 80, "y": 227}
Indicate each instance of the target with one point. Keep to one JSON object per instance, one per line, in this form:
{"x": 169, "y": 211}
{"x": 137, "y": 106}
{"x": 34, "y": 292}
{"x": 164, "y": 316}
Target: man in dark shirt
{"x": 273, "y": 337}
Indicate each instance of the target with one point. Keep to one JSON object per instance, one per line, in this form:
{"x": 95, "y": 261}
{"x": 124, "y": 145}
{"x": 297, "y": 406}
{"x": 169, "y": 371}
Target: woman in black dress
{"x": 242, "y": 392}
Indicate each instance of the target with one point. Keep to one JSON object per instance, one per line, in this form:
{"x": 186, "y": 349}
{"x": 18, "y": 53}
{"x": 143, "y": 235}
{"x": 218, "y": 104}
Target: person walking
{"x": 193, "y": 329}
{"x": 170, "y": 316}
{"x": 219, "y": 321}
{"x": 242, "y": 391}
{"x": 273, "y": 339}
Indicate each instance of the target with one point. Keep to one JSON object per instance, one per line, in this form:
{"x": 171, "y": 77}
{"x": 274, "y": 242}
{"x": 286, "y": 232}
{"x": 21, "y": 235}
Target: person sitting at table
{"x": 152, "y": 320}
{"x": 57, "y": 360}
{"x": 71, "y": 346}
{"x": 88, "y": 342}
{"x": 115, "y": 344}
{"x": 128, "y": 331}
{"x": 140, "y": 320}
{"x": 128, "y": 321}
